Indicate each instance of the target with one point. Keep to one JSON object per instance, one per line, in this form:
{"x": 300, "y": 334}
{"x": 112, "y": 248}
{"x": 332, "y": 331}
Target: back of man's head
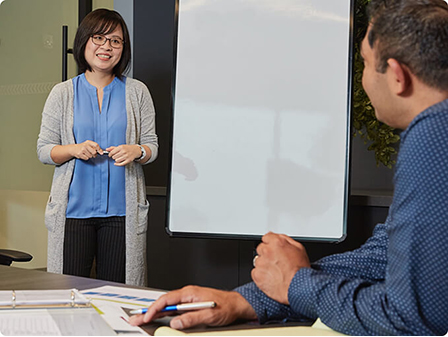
{"x": 413, "y": 32}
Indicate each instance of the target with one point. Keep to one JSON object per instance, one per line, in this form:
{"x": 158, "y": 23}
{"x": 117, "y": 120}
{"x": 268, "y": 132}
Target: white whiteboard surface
{"x": 261, "y": 111}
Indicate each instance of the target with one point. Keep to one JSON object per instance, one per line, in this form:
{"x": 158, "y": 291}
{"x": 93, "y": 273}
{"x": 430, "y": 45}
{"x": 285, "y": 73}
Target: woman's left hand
{"x": 124, "y": 154}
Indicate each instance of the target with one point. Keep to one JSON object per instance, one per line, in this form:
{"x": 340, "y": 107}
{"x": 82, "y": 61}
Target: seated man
{"x": 397, "y": 282}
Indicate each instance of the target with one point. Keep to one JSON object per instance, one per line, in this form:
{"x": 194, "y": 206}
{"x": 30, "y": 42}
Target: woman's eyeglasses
{"x": 100, "y": 40}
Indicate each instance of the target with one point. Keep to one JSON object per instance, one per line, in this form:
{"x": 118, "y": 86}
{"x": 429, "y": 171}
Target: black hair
{"x": 101, "y": 21}
{"x": 413, "y": 32}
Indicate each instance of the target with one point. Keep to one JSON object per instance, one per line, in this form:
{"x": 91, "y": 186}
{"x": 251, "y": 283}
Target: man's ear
{"x": 398, "y": 77}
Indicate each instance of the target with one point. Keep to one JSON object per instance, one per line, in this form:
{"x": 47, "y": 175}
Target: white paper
{"x": 20, "y": 324}
{"x": 53, "y": 322}
{"x": 110, "y": 300}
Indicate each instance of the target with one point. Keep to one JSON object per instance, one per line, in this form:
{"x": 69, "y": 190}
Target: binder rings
{"x": 34, "y": 299}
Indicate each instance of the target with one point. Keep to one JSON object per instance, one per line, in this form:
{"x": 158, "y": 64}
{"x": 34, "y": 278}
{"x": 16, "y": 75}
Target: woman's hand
{"x": 84, "y": 151}
{"x": 124, "y": 154}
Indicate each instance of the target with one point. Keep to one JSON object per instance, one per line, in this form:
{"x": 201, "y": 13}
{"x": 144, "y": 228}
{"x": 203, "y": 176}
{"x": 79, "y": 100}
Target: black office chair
{"x": 8, "y": 256}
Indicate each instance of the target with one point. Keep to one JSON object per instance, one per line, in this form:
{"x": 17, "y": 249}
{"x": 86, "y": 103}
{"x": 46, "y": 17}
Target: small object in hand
{"x": 105, "y": 152}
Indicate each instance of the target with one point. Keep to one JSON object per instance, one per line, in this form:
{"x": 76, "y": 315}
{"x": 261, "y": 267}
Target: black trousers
{"x": 99, "y": 238}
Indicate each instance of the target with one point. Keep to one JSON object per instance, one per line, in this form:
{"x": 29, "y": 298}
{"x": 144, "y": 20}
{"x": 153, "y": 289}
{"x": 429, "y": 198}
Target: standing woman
{"x": 98, "y": 129}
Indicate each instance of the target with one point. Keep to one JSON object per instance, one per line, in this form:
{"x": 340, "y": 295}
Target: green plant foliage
{"x": 378, "y": 136}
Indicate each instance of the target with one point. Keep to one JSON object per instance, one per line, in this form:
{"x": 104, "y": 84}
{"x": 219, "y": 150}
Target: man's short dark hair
{"x": 101, "y": 21}
{"x": 413, "y": 32}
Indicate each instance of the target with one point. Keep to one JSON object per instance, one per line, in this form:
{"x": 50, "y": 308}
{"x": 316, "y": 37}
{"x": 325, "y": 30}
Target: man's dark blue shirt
{"x": 397, "y": 282}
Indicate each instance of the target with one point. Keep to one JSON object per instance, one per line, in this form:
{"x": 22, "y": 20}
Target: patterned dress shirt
{"x": 397, "y": 282}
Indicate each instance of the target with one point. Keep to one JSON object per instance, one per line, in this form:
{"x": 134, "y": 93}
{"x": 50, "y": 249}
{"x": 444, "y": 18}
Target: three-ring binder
{"x": 27, "y": 299}
{"x": 13, "y": 299}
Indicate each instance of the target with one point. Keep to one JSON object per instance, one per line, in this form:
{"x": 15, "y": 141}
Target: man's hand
{"x": 279, "y": 258}
{"x": 230, "y": 306}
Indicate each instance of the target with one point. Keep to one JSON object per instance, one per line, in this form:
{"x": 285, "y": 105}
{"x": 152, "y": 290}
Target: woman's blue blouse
{"x": 97, "y": 188}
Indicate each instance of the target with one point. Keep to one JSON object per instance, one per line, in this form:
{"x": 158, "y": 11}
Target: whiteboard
{"x": 261, "y": 111}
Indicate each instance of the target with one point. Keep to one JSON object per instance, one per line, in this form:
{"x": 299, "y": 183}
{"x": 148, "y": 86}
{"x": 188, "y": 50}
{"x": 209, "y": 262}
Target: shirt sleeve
{"x": 148, "y": 124}
{"x": 367, "y": 261}
{"x": 411, "y": 300}
{"x": 267, "y": 309}
{"x": 50, "y": 128}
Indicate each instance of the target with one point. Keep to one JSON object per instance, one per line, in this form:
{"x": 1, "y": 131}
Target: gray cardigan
{"x": 57, "y": 129}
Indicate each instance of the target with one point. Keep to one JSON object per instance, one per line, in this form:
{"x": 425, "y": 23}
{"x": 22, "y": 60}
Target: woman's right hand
{"x": 84, "y": 151}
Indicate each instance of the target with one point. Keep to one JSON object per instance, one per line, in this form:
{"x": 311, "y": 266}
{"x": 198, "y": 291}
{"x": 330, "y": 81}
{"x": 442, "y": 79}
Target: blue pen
{"x": 179, "y": 307}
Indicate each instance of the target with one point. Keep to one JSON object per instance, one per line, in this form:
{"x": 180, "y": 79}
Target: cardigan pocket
{"x": 142, "y": 217}
{"x": 51, "y": 213}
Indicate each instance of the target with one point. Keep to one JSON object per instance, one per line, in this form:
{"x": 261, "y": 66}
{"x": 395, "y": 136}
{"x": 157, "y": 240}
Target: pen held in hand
{"x": 179, "y": 307}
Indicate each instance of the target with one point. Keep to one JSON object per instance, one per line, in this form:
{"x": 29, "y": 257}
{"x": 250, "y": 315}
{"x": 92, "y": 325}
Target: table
{"x": 12, "y": 278}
